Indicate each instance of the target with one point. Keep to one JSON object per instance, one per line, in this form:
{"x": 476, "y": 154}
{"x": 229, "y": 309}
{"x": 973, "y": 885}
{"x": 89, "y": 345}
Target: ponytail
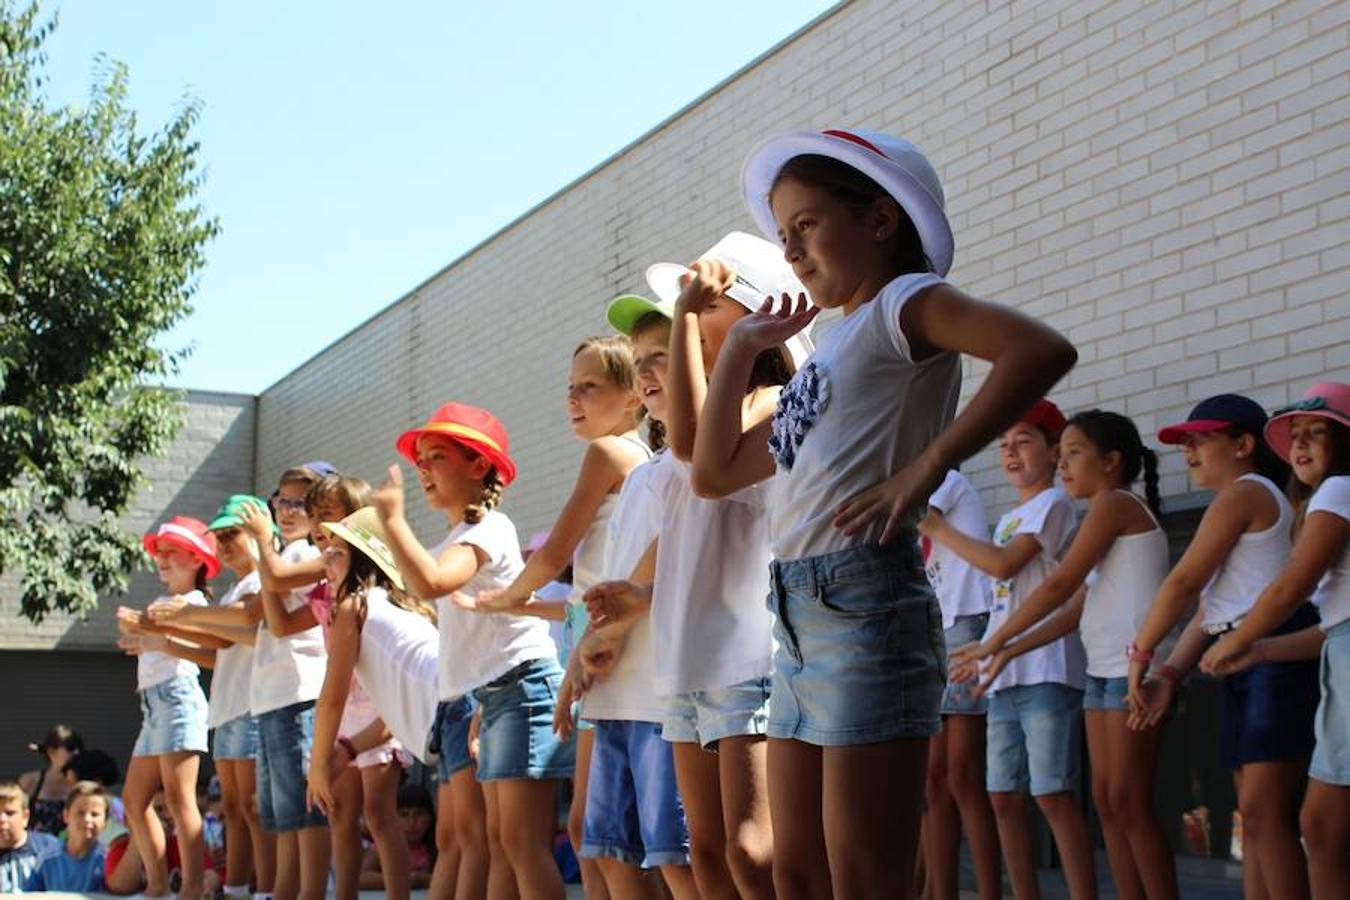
{"x": 656, "y": 434}
{"x": 1111, "y": 432}
{"x": 1151, "y": 495}
{"x": 489, "y": 500}
{"x": 201, "y": 584}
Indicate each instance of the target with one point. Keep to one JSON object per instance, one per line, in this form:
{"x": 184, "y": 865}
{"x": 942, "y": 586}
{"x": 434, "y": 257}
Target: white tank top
{"x": 397, "y": 667}
{"x": 1120, "y": 590}
{"x": 588, "y": 560}
{"x": 1255, "y": 560}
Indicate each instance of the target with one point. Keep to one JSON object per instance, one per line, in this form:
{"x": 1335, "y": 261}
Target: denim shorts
{"x": 285, "y": 744}
{"x": 516, "y": 739}
{"x": 705, "y": 717}
{"x": 1267, "y": 711}
{"x": 450, "y": 737}
{"x": 1035, "y": 739}
{"x": 236, "y": 739}
{"x": 1331, "y": 758}
{"x": 173, "y": 718}
{"x": 958, "y": 697}
{"x": 633, "y": 809}
{"x": 860, "y": 654}
{"x": 1106, "y": 694}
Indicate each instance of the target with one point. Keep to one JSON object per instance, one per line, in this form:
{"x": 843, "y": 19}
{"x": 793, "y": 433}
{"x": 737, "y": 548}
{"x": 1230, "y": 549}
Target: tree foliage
{"x": 101, "y": 238}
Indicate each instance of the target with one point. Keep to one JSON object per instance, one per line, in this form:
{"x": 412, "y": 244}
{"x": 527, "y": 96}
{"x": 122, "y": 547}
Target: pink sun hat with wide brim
{"x": 187, "y": 534}
{"x": 897, "y": 165}
{"x": 1328, "y": 400}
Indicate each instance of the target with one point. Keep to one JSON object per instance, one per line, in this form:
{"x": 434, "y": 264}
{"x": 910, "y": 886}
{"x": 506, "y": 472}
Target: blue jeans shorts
{"x": 705, "y": 717}
{"x": 1035, "y": 739}
{"x": 633, "y": 809}
{"x": 450, "y": 737}
{"x": 173, "y": 718}
{"x": 516, "y": 739}
{"x": 285, "y": 744}
{"x": 1331, "y": 758}
{"x": 1267, "y": 711}
{"x": 236, "y": 739}
{"x": 1106, "y": 694}
{"x": 860, "y": 654}
{"x": 958, "y": 697}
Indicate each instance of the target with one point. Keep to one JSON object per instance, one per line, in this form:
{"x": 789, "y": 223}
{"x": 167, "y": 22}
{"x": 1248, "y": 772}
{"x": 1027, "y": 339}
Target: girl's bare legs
{"x": 965, "y": 780}
{"x": 138, "y": 795}
{"x": 795, "y": 789}
{"x": 941, "y": 822}
{"x": 315, "y": 851}
{"x": 238, "y": 834}
{"x": 1132, "y": 762}
{"x": 1326, "y": 831}
{"x": 344, "y": 823}
{"x": 264, "y": 842}
{"x": 446, "y": 872}
{"x": 1123, "y": 871}
{"x": 699, "y": 779}
{"x": 178, "y": 771}
{"x": 379, "y": 788}
{"x": 743, "y": 771}
{"x": 526, "y": 810}
{"x": 629, "y": 882}
{"x": 1015, "y": 836}
{"x": 592, "y": 880}
{"x": 1069, "y": 827}
{"x": 501, "y": 877}
{"x": 1267, "y": 798}
{"x": 471, "y": 836}
{"x": 286, "y": 886}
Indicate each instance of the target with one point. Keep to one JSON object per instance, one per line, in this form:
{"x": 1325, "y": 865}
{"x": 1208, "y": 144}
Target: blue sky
{"x": 352, "y": 150}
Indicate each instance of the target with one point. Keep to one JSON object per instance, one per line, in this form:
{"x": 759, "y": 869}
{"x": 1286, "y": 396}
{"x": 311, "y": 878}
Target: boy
{"x": 20, "y": 852}
{"x": 80, "y": 867}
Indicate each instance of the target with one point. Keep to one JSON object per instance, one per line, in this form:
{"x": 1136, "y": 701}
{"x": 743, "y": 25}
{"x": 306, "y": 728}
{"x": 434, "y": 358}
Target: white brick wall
{"x": 1164, "y": 180}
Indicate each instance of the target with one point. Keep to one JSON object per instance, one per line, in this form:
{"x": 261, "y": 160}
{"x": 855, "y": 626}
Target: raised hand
{"x": 257, "y": 521}
{"x": 769, "y": 326}
{"x": 707, "y": 281}
{"x": 388, "y": 497}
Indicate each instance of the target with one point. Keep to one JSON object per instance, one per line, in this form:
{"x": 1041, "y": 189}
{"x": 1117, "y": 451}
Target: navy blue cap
{"x": 1217, "y": 414}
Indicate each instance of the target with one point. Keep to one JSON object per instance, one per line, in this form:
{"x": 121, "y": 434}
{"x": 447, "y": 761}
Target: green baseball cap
{"x": 625, "y": 311}
{"x": 228, "y": 515}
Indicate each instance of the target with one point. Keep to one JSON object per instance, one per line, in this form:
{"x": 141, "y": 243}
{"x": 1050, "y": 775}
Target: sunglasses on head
{"x": 280, "y": 503}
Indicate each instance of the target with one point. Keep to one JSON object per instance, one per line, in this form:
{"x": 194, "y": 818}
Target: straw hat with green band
{"x": 229, "y": 514}
{"x": 365, "y": 533}
{"x": 625, "y": 311}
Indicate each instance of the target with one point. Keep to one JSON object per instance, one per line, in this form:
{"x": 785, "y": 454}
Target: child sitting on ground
{"x": 417, "y": 817}
{"x": 21, "y": 850}
{"x": 79, "y": 867}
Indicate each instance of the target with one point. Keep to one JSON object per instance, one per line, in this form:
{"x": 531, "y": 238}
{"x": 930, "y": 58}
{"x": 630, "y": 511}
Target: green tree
{"x": 101, "y": 239}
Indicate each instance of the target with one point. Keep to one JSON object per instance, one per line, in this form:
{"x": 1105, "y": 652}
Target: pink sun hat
{"x": 1328, "y": 400}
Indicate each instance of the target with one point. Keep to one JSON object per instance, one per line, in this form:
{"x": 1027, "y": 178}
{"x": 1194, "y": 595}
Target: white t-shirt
{"x": 859, "y": 410}
{"x": 234, "y": 664}
{"x": 711, "y": 625}
{"x": 1252, "y": 564}
{"x": 1333, "y": 591}
{"x": 479, "y": 647}
{"x": 962, "y": 589}
{"x": 629, "y": 692}
{"x": 156, "y": 668}
{"x": 288, "y": 670}
{"x": 397, "y": 668}
{"x": 1049, "y": 517}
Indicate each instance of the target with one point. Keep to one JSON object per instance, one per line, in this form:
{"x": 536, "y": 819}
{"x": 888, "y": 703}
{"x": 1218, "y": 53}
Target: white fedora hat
{"x": 760, "y": 271}
{"x": 894, "y": 163}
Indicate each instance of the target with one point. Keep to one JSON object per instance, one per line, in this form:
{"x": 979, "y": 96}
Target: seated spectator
{"x": 124, "y": 873}
{"x": 96, "y": 765}
{"x": 79, "y": 867}
{"x": 45, "y": 787}
{"x": 21, "y": 850}
{"x": 418, "y": 817}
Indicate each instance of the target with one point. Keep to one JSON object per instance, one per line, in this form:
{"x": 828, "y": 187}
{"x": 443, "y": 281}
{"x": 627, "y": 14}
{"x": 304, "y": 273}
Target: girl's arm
{"x": 191, "y": 652}
{"x": 607, "y": 462}
{"x": 687, "y": 380}
{"x": 998, "y": 562}
{"x": 1151, "y": 693}
{"x": 276, "y": 573}
{"x": 426, "y": 576}
{"x": 247, "y": 612}
{"x": 195, "y": 636}
{"x": 1321, "y": 541}
{"x": 344, "y": 643}
{"x": 1059, "y": 623}
{"x": 283, "y": 622}
{"x": 1293, "y": 647}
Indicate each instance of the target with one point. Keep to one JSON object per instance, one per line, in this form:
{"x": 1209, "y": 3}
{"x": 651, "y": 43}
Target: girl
{"x": 173, "y": 707}
{"x": 1313, "y": 435}
{"x": 508, "y": 663}
{"x": 1035, "y": 707}
{"x": 714, "y": 643}
{"x": 1120, "y": 554}
{"x": 417, "y": 815}
{"x": 1241, "y": 544}
{"x": 386, "y": 642}
{"x": 634, "y": 818}
{"x": 46, "y": 788}
{"x": 858, "y": 673}
{"x": 602, "y": 402}
{"x": 956, "y": 755}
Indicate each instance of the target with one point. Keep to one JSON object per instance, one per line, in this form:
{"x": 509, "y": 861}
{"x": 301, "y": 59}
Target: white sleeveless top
{"x": 397, "y": 667}
{"x": 1255, "y": 560}
{"x": 154, "y": 667}
{"x": 588, "y": 560}
{"x": 1121, "y": 588}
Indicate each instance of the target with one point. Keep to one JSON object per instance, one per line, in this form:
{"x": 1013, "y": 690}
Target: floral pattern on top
{"x": 799, "y": 408}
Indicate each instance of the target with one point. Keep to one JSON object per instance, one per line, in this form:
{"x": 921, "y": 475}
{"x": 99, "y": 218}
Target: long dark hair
{"x": 1111, "y": 432}
{"x": 363, "y": 574}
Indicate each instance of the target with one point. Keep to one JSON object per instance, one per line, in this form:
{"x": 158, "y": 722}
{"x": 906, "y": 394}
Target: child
{"x": 98, "y": 766}
{"x": 1313, "y": 435}
{"x": 1120, "y": 553}
{"x": 603, "y": 406}
{"x": 634, "y": 816}
{"x": 1240, "y": 546}
{"x": 173, "y": 707}
{"x": 384, "y": 641}
{"x": 861, "y": 438}
{"x": 46, "y": 789}
{"x": 21, "y": 850}
{"x": 418, "y": 818}
{"x": 79, "y": 869}
{"x": 507, "y": 663}
{"x": 956, "y": 756}
{"x": 1036, "y": 702}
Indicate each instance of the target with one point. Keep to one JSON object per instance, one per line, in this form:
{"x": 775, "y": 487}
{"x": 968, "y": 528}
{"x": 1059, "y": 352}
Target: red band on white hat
{"x": 186, "y": 534}
{"x": 861, "y": 142}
